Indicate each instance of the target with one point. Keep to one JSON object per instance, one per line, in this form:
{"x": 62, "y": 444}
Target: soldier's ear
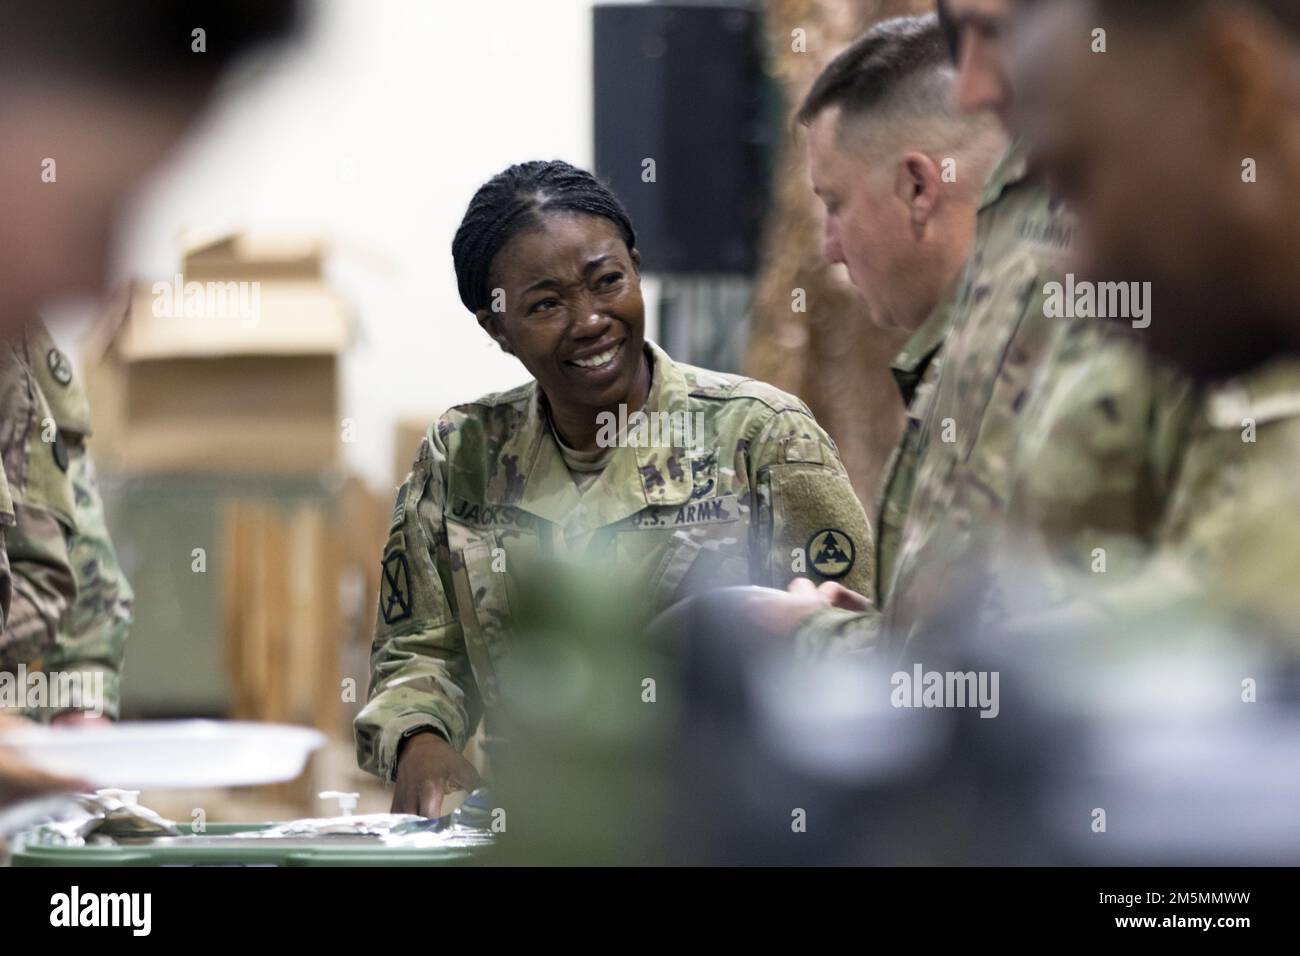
{"x": 490, "y": 323}
{"x": 918, "y": 186}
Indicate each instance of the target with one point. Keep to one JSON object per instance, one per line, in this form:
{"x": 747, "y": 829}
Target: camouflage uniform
{"x": 1228, "y": 538}
{"x": 916, "y": 371}
{"x": 1000, "y": 335}
{"x": 93, "y": 632}
{"x": 72, "y": 603}
{"x": 36, "y": 545}
{"x": 1233, "y": 523}
{"x": 762, "y": 498}
{"x": 1099, "y": 452}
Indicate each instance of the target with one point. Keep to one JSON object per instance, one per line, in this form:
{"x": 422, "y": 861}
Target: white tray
{"x": 174, "y": 754}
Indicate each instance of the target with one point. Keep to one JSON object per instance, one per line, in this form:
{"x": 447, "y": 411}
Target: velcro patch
{"x": 806, "y": 450}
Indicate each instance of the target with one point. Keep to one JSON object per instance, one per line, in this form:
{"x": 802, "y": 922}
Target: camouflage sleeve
{"x": 833, "y": 631}
{"x": 420, "y": 674}
{"x": 42, "y": 582}
{"x": 92, "y": 638}
{"x": 809, "y": 523}
{"x": 43, "y": 586}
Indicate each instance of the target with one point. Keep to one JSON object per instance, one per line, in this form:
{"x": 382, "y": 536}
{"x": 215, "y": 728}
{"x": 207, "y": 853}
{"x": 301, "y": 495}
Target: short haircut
{"x": 900, "y": 67}
{"x": 145, "y": 44}
{"x": 1286, "y": 12}
{"x": 514, "y": 201}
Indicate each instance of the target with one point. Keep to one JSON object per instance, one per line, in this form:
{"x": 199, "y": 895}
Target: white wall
{"x": 376, "y": 133}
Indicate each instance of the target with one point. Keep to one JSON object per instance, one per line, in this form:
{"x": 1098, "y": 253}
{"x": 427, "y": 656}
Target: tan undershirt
{"x": 584, "y": 466}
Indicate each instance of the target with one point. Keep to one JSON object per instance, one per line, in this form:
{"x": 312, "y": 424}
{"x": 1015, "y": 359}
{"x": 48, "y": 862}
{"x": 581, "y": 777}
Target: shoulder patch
{"x": 831, "y": 553}
{"x": 59, "y": 366}
{"x": 395, "y": 586}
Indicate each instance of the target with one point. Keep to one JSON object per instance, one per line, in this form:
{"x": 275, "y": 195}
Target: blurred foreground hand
{"x": 80, "y": 718}
{"x": 19, "y": 781}
{"x": 830, "y": 594}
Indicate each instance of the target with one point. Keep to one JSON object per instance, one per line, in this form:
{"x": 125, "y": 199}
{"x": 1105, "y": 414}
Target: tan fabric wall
{"x": 830, "y": 355}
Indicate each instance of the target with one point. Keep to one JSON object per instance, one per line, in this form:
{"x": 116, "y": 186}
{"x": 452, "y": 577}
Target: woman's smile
{"x": 598, "y": 367}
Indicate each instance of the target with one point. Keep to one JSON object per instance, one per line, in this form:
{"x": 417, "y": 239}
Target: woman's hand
{"x": 428, "y": 768}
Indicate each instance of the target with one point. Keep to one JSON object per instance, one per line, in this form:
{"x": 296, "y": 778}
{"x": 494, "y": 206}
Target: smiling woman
{"x": 753, "y": 493}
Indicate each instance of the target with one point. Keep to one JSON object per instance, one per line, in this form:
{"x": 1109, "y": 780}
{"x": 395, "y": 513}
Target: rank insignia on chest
{"x": 704, "y": 475}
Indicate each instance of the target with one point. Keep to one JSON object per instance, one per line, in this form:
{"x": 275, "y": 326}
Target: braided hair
{"x": 514, "y": 201}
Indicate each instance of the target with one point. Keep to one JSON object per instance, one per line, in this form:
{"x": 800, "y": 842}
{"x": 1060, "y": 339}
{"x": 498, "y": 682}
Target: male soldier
{"x": 1180, "y": 146}
{"x": 1011, "y": 367}
{"x": 900, "y": 174}
{"x": 94, "y": 95}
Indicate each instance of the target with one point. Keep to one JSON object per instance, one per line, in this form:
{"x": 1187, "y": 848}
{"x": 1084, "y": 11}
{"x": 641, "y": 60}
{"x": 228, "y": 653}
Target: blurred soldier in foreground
{"x": 900, "y": 174}
{"x": 94, "y": 94}
{"x": 1181, "y": 147}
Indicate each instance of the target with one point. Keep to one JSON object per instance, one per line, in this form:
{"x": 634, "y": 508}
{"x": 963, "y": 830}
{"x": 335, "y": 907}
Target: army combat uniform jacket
{"x": 67, "y": 604}
{"x": 1227, "y": 547}
{"x": 916, "y": 372}
{"x": 1231, "y": 535}
{"x": 759, "y": 497}
{"x": 999, "y": 337}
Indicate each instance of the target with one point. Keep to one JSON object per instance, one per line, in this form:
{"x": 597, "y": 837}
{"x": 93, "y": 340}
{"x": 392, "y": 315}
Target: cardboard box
{"x": 231, "y": 365}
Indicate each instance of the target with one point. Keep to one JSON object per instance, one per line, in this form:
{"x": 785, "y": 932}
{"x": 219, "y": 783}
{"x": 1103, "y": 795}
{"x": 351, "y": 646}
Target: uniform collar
{"x": 1010, "y": 171}
{"x": 910, "y": 364}
{"x": 634, "y": 479}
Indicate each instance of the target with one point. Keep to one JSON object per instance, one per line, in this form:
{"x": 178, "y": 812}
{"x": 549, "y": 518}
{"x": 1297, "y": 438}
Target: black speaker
{"x": 682, "y": 86}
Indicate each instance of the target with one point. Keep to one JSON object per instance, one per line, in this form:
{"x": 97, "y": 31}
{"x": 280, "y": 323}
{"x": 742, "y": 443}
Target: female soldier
{"x": 721, "y": 480}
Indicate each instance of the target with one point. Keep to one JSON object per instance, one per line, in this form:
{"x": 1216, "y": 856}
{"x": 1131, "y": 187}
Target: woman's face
{"x": 572, "y": 311}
